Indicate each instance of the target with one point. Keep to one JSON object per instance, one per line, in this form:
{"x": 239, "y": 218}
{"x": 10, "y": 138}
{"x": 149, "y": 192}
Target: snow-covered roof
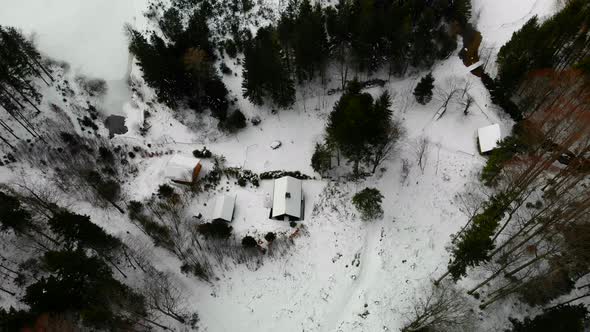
{"x": 224, "y": 207}
{"x": 287, "y": 197}
{"x": 181, "y": 168}
{"x": 488, "y": 137}
{"x": 475, "y": 65}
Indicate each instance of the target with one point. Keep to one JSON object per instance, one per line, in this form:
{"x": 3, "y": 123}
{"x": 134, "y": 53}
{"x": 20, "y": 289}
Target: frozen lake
{"x": 88, "y": 34}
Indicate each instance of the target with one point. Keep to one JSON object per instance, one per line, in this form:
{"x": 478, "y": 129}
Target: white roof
{"x": 489, "y": 137}
{"x": 281, "y": 204}
{"x": 224, "y": 207}
{"x": 181, "y": 168}
{"x": 475, "y": 65}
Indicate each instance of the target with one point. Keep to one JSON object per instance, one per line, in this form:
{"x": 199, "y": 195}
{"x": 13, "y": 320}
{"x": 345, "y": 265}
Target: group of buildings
{"x": 287, "y": 195}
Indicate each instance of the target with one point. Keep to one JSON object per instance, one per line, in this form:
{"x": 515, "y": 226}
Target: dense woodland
{"x": 354, "y": 36}
{"x": 528, "y": 229}
{"x": 20, "y": 65}
{"x": 531, "y": 233}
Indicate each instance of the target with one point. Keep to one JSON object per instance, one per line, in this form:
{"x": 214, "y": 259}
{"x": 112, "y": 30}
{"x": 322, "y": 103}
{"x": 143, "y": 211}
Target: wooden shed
{"x": 183, "y": 170}
{"x": 488, "y": 138}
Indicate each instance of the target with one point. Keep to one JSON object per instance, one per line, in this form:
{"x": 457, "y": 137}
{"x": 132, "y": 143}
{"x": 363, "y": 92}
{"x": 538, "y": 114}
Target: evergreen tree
{"x": 359, "y": 127}
{"x": 249, "y": 242}
{"x": 302, "y": 32}
{"x": 349, "y": 124}
{"x": 78, "y": 232}
{"x": 15, "y": 320}
{"x": 515, "y": 58}
{"x": 460, "y": 10}
{"x": 321, "y": 160}
{"x": 171, "y": 24}
{"x": 424, "y": 49}
{"x": 337, "y": 23}
{"x": 368, "y": 202}
{"x": 83, "y": 285}
{"x": 181, "y": 69}
{"x": 475, "y": 243}
{"x": 20, "y": 63}
{"x": 559, "y": 42}
{"x": 566, "y": 318}
{"x": 266, "y": 72}
{"x": 423, "y": 91}
{"x": 13, "y": 216}
{"x": 235, "y": 121}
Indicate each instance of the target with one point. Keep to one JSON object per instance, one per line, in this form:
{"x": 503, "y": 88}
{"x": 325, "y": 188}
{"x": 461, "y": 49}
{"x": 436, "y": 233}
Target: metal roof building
{"x": 488, "y": 137}
{"x": 287, "y": 202}
{"x": 224, "y": 208}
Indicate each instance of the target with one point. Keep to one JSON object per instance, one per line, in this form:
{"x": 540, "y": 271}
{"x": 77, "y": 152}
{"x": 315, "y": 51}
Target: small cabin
{"x": 224, "y": 208}
{"x": 183, "y": 170}
{"x": 287, "y": 199}
{"x": 488, "y": 138}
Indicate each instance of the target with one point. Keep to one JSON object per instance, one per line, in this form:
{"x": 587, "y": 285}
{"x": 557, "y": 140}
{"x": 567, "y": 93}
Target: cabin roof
{"x": 287, "y": 197}
{"x": 488, "y": 137}
{"x": 181, "y": 168}
{"x": 224, "y": 207}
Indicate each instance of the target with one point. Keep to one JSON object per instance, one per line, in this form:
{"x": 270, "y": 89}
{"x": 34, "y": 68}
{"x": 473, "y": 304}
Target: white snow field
{"x": 342, "y": 274}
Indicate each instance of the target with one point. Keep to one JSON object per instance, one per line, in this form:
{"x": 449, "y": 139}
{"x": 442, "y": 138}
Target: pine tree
{"x": 14, "y": 216}
{"x": 559, "y": 42}
{"x": 368, "y": 202}
{"x": 266, "y": 73}
{"x": 78, "y": 232}
{"x": 84, "y": 285}
{"x": 461, "y": 11}
{"x": 304, "y": 32}
{"x": 349, "y": 126}
{"x": 20, "y": 63}
{"x": 359, "y": 127}
{"x": 181, "y": 68}
{"x": 475, "y": 243}
{"x": 566, "y": 318}
{"x": 321, "y": 160}
{"x": 423, "y": 91}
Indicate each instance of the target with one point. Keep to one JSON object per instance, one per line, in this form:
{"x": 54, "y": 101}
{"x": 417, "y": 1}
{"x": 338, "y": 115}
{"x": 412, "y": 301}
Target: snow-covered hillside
{"x": 498, "y": 20}
{"x": 341, "y": 274}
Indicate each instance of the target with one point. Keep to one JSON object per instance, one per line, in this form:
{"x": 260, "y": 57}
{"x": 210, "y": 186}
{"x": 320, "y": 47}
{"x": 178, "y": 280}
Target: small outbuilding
{"x": 224, "y": 208}
{"x": 287, "y": 199}
{"x": 488, "y": 138}
{"x": 183, "y": 170}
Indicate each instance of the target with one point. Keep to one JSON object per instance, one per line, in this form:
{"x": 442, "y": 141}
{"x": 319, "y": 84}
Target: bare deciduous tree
{"x": 470, "y": 202}
{"x": 405, "y": 99}
{"x": 466, "y": 103}
{"x": 443, "y": 308}
{"x": 383, "y": 150}
{"x": 405, "y": 170}
{"x": 485, "y": 55}
{"x": 421, "y": 149}
{"x": 447, "y": 94}
{"x": 164, "y": 296}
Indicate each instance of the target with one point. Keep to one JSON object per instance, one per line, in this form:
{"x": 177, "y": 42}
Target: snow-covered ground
{"x": 342, "y": 274}
{"x": 498, "y": 19}
{"x": 342, "y": 264}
